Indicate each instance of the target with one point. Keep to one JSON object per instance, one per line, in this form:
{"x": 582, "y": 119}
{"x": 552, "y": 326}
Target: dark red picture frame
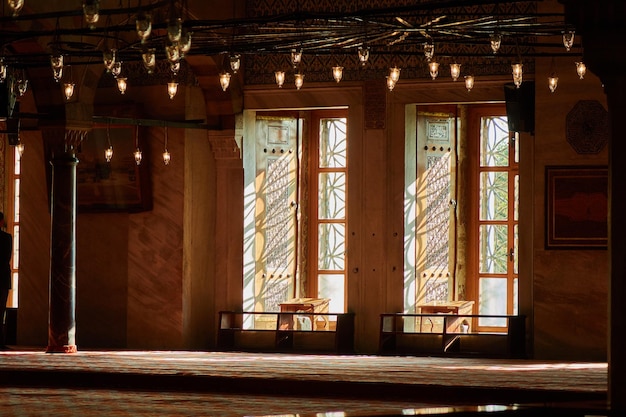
{"x": 576, "y": 207}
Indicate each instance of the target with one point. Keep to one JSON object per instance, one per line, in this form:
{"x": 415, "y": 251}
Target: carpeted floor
{"x": 245, "y": 384}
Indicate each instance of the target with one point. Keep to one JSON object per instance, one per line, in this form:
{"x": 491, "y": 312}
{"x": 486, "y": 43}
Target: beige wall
{"x": 569, "y": 286}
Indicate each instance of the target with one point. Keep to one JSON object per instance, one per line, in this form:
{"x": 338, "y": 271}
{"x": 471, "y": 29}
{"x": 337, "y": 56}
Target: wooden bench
{"x": 286, "y": 332}
{"x": 452, "y": 335}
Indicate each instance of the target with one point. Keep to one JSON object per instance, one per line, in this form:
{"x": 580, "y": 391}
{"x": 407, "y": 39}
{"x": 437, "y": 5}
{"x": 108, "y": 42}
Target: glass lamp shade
{"x": 172, "y": 52}
{"x": 224, "y": 80}
{"x": 122, "y": 85}
{"x": 280, "y": 78}
{"x": 16, "y": 6}
{"x": 175, "y": 67}
{"x": 57, "y": 73}
{"x": 299, "y": 80}
{"x": 172, "y": 89}
{"x": 143, "y": 26}
{"x": 185, "y": 42}
{"x": 394, "y": 74}
{"x": 517, "y": 74}
{"x": 68, "y": 90}
{"x": 137, "y": 154}
{"x": 337, "y": 73}
{"x": 495, "y": 40}
{"x": 56, "y": 61}
{"x": 91, "y": 10}
{"x": 391, "y": 83}
{"x": 581, "y": 69}
{"x": 174, "y": 30}
{"x": 109, "y": 57}
{"x": 429, "y": 50}
{"x": 167, "y": 157}
{"x": 296, "y": 57}
{"x": 20, "y": 148}
{"x": 235, "y": 62}
{"x": 433, "y": 67}
{"x": 553, "y": 82}
{"x": 116, "y": 69}
{"x": 469, "y": 82}
{"x": 364, "y": 54}
{"x": 149, "y": 60}
{"x": 108, "y": 153}
{"x": 568, "y": 40}
{"x": 455, "y": 71}
{"x": 22, "y": 86}
{"x": 3, "y": 70}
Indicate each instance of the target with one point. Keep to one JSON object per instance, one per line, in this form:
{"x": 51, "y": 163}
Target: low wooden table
{"x": 307, "y": 306}
{"x": 450, "y": 307}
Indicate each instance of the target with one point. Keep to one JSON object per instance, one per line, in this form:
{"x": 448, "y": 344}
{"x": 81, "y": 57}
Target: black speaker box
{"x": 520, "y": 106}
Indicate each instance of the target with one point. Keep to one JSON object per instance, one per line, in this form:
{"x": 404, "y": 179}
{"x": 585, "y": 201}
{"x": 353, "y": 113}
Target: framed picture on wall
{"x": 119, "y": 184}
{"x": 576, "y": 207}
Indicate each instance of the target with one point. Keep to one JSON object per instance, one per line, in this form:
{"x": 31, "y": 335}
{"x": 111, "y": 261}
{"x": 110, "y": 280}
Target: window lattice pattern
{"x": 438, "y": 211}
{"x": 494, "y": 194}
{"x": 277, "y": 212}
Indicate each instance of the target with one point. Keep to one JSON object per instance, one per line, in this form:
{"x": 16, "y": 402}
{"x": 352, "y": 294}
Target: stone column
{"x": 601, "y": 25}
{"x": 62, "y": 296}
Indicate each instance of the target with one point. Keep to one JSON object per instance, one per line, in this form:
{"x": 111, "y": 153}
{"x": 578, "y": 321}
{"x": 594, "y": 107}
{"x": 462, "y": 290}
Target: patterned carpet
{"x": 246, "y": 384}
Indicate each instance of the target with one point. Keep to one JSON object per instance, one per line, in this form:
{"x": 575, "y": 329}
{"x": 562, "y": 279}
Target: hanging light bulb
{"x": 469, "y": 82}
{"x": 143, "y": 25}
{"x": 91, "y": 10}
{"x": 149, "y": 60}
{"x": 235, "y": 62}
{"x": 394, "y": 74}
{"x": 495, "y": 41}
{"x": 429, "y": 49}
{"x": 391, "y": 83}
{"x": 137, "y": 154}
{"x": 68, "y": 90}
{"x": 166, "y": 155}
{"x": 16, "y": 6}
{"x": 517, "y": 74}
{"x": 108, "y": 153}
{"x": 299, "y": 80}
{"x": 174, "y": 29}
{"x": 337, "y": 73}
{"x": 364, "y": 54}
{"x": 122, "y": 84}
{"x": 109, "y": 57}
{"x": 553, "y": 82}
{"x": 3, "y": 70}
{"x": 296, "y": 57}
{"x": 172, "y": 89}
{"x": 280, "y": 78}
{"x": 568, "y": 40}
{"x": 581, "y": 69}
{"x": 455, "y": 71}
{"x": 20, "y": 147}
{"x": 433, "y": 67}
{"x": 224, "y": 80}
{"x": 116, "y": 69}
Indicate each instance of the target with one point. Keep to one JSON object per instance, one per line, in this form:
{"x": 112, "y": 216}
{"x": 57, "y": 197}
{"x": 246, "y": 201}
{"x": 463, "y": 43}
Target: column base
{"x": 62, "y": 349}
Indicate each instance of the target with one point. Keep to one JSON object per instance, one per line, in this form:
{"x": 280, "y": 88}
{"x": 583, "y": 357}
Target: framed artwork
{"x": 118, "y": 185}
{"x": 576, "y": 207}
